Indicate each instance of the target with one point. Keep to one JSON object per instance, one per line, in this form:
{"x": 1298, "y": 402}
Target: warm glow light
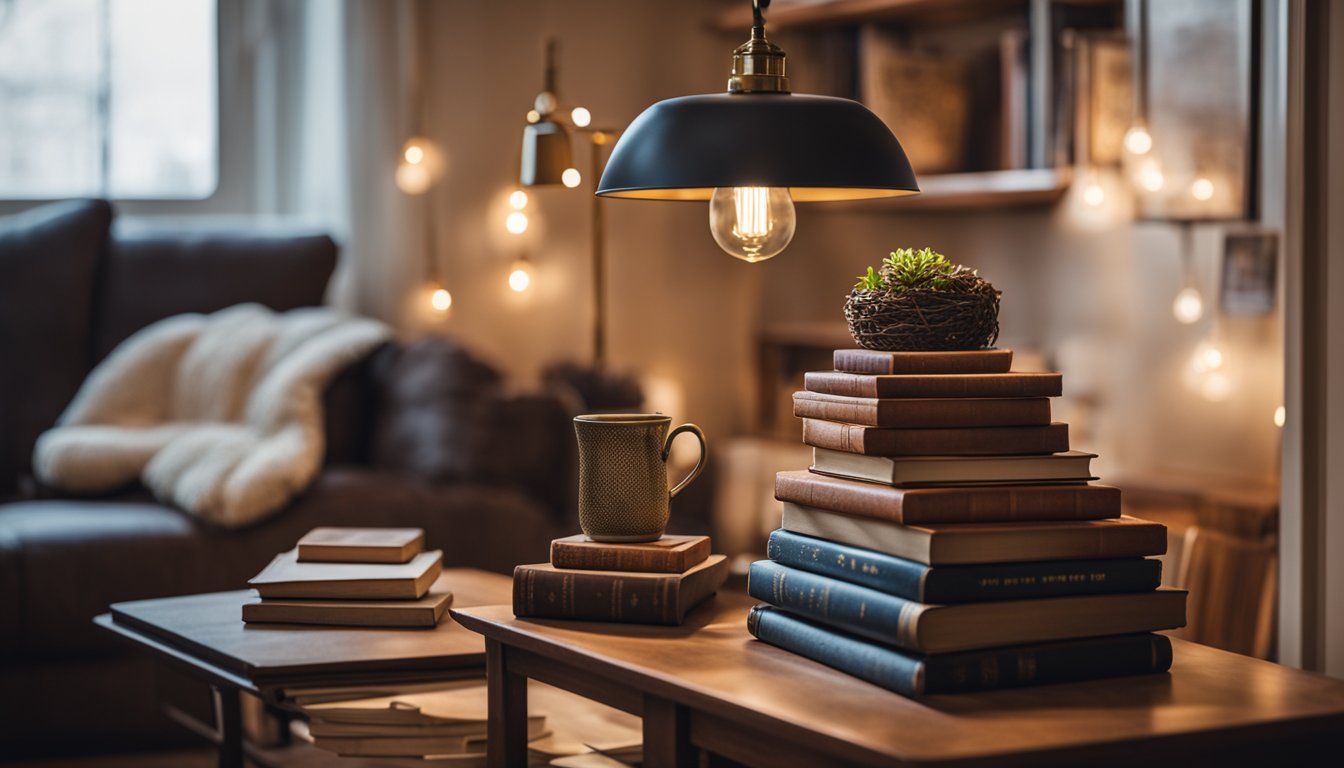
{"x": 414, "y": 154}
{"x": 1137, "y": 140}
{"x": 1201, "y": 189}
{"x": 1216, "y": 386}
{"x": 1094, "y": 195}
{"x": 1150, "y": 175}
{"x": 520, "y": 277}
{"x": 533, "y": 115}
{"x": 1280, "y": 416}
{"x": 581, "y": 117}
{"x": 413, "y": 179}
{"x": 518, "y": 199}
{"x": 571, "y": 177}
{"x": 1211, "y": 357}
{"x": 516, "y": 223}
{"x": 752, "y": 223}
{"x": 1188, "y": 306}
{"x": 441, "y": 299}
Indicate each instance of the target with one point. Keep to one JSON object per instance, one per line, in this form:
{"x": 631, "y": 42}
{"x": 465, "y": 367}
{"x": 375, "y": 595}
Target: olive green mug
{"x": 623, "y": 493}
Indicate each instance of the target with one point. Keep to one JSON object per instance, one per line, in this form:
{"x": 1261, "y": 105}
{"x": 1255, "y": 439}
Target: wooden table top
{"x": 713, "y": 665}
{"x": 209, "y": 627}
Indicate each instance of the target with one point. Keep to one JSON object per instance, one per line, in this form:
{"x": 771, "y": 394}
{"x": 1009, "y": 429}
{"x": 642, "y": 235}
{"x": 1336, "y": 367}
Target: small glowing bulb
{"x": 1094, "y": 195}
{"x": 518, "y": 199}
{"x": 533, "y": 116}
{"x": 752, "y": 223}
{"x": 571, "y": 177}
{"x": 1137, "y": 140}
{"x": 516, "y": 223}
{"x": 1280, "y": 416}
{"x": 520, "y": 276}
{"x": 1150, "y": 176}
{"x": 412, "y": 178}
{"x": 414, "y": 154}
{"x": 441, "y": 299}
{"x": 581, "y": 117}
{"x": 1212, "y": 357}
{"x": 1188, "y": 306}
{"x": 1201, "y": 189}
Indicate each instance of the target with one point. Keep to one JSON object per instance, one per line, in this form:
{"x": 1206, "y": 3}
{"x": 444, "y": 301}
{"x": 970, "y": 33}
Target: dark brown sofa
{"x": 418, "y": 435}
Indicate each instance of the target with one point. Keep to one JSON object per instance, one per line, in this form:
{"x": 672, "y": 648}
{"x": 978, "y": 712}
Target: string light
{"x": 1188, "y": 306}
{"x": 1280, "y": 416}
{"x": 1137, "y": 139}
{"x": 417, "y": 167}
{"x": 581, "y": 117}
{"x": 1093, "y": 194}
{"x": 516, "y": 223}
{"x": 1150, "y": 175}
{"x": 571, "y": 177}
{"x": 518, "y": 199}
{"x": 1201, "y": 189}
{"x": 440, "y": 300}
{"x": 520, "y": 276}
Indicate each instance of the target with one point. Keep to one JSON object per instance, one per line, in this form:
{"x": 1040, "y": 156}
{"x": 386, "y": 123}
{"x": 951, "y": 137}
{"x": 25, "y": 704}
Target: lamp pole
{"x": 598, "y": 140}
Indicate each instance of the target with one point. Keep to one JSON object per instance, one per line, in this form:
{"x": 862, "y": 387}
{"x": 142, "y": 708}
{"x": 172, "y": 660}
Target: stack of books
{"x": 360, "y": 577}
{"x": 654, "y": 582}
{"x": 946, "y": 539}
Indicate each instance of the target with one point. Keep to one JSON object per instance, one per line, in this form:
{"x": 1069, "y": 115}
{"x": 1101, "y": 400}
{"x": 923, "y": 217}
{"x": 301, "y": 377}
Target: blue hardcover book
{"x": 962, "y": 583}
{"x": 928, "y": 628}
{"x": 913, "y": 675}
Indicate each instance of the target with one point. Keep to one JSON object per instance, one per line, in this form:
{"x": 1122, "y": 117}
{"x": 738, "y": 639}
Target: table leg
{"x": 229, "y": 714}
{"x": 667, "y": 735}
{"x": 506, "y": 730}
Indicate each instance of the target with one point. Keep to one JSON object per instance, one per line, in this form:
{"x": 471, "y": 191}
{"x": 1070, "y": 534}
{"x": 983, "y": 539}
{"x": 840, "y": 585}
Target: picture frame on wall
{"x": 1250, "y": 272}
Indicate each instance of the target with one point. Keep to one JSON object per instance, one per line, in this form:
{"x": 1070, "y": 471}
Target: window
{"x": 113, "y": 98}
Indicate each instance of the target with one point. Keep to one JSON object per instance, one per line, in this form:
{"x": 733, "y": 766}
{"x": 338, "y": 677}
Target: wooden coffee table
{"x": 205, "y": 635}
{"x": 710, "y": 686}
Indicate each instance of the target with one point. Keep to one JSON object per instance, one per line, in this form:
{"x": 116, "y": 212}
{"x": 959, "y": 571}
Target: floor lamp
{"x": 548, "y": 160}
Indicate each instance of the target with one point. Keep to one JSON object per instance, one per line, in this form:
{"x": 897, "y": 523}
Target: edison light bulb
{"x": 440, "y": 299}
{"x": 751, "y": 223}
{"x": 518, "y": 199}
{"x": 516, "y": 223}
{"x": 1188, "y": 306}
{"x": 571, "y": 177}
{"x": 520, "y": 276}
{"x": 1137, "y": 139}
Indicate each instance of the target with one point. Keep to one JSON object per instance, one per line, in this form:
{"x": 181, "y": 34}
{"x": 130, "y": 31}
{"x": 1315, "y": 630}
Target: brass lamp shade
{"x": 546, "y": 154}
{"x": 819, "y": 147}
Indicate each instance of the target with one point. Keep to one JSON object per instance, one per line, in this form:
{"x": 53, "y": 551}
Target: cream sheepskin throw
{"x": 218, "y": 414}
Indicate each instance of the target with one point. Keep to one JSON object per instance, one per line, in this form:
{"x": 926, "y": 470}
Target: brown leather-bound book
{"x": 947, "y": 385}
{"x": 964, "y": 441}
{"x": 425, "y": 612}
{"x": 361, "y": 545}
{"x": 971, "y": 504}
{"x": 969, "y": 361}
{"x": 924, "y": 412}
{"x": 670, "y": 554}
{"x": 546, "y": 592}
{"x": 286, "y": 577}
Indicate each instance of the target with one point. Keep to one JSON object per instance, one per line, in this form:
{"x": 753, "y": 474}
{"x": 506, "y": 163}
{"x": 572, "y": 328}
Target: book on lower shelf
{"x": 912, "y": 674}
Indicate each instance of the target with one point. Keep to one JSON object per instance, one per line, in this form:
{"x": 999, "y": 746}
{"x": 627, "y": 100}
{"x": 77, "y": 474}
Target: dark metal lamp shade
{"x": 819, "y": 147}
{"x": 546, "y": 154}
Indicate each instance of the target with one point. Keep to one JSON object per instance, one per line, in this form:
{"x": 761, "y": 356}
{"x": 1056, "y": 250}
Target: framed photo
{"x": 1250, "y": 263}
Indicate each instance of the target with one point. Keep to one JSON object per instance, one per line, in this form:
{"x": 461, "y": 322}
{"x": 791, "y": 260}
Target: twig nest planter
{"x": 920, "y": 302}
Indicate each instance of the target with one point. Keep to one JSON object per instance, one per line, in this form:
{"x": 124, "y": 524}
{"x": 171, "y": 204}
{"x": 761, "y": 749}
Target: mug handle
{"x": 699, "y": 464}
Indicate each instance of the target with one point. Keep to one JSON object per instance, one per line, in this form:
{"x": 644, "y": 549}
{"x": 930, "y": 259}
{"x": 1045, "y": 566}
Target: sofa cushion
{"x": 63, "y": 562}
{"x": 153, "y": 272}
{"x": 48, "y": 259}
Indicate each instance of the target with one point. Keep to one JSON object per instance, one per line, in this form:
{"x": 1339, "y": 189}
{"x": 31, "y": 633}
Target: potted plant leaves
{"x": 918, "y": 301}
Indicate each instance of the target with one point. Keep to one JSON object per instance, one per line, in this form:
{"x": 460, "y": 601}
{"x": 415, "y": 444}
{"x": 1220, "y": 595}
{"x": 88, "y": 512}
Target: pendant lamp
{"x": 755, "y": 150}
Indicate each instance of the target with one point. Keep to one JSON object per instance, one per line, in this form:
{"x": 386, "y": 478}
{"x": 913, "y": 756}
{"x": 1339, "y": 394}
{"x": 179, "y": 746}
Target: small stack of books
{"x": 947, "y": 540}
{"x": 654, "y": 582}
{"x": 359, "y": 577}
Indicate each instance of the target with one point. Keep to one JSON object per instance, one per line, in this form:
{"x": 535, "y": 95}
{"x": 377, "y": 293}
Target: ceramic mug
{"x": 623, "y": 493}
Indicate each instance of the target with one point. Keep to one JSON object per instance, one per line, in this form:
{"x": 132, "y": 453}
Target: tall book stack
{"x": 655, "y": 582}
{"x": 362, "y": 577}
{"x": 947, "y": 540}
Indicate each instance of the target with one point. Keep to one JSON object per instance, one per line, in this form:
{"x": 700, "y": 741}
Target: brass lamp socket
{"x": 758, "y": 66}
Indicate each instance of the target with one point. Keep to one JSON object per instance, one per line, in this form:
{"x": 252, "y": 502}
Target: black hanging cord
{"x": 758, "y": 13}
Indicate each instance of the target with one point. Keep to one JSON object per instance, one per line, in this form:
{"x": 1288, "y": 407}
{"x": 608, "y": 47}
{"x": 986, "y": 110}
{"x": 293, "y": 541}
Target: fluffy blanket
{"x": 218, "y": 414}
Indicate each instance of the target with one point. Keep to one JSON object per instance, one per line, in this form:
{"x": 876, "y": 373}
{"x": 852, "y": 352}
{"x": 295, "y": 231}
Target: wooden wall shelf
{"x": 970, "y": 191}
{"x": 837, "y": 12}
